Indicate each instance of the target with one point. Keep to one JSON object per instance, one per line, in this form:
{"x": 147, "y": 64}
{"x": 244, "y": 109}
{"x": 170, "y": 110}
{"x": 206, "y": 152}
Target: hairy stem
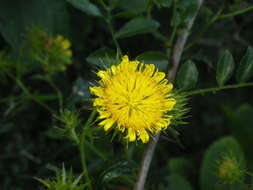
{"x": 82, "y": 148}
{"x": 215, "y": 89}
{"x": 239, "y": 12}
{"x": 29, "y": 95}
{"x": 57, "y": 90}
{"x": 176, "y": 56}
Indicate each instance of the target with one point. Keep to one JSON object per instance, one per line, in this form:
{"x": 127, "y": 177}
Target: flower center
{"x": 135, "y": 101}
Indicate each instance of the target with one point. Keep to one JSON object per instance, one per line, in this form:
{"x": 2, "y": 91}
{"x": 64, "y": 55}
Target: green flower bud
{"x": 230, "y": 170}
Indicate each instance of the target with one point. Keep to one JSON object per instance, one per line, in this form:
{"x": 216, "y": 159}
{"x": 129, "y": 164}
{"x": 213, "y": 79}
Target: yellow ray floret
{"x": 133, "y": 98}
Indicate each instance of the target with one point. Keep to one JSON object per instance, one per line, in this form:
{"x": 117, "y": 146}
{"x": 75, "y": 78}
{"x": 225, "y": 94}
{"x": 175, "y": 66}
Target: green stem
{"x": 108, "y": 20}
{"x": 206, "y": 27}
{"x": 29, "y": 95}
{"x": 59, "y": 94}
{"x": 239, "y": 12}
{"x": 161, "y": 37}
{"x": 172, "y": 37}
{"x": 149, "y": 7}
{"x": 82, "y": 150}
{"x": 110, "y": 26}
{"x": 218, "y": 16}
{"x": 215, "y": 89}
{"x": 175, "y": 26}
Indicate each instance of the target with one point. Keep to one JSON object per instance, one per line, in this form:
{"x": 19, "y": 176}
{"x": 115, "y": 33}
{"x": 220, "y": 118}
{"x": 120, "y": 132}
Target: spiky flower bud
{"x": 230, "y": 170}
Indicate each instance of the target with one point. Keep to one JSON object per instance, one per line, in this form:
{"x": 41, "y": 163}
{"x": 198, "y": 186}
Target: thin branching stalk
{"x": 176, "y": 56}
{"x": 82, "y": 148}
{"x": 215, "y": 89}
{"x": 235, "y": 13}
{"x": 57, "y": 90}
{"x": 29, "y": 95}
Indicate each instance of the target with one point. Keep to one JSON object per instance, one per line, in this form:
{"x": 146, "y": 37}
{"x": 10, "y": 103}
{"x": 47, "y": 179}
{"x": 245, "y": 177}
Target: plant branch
{"x": 215, "y": 89}
{"x": 29, "y": 95}
{"x": 179, "y": 47}
{"x": 57, "y": 90}
{"x": 177, "y": 52}
{"x": 82, "y": 148}
{"x": 239, "y": 12}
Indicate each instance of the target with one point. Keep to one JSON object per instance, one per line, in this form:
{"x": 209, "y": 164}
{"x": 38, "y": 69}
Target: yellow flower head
{"x": 64, "y": 44}
{"x": 134, "y": 98}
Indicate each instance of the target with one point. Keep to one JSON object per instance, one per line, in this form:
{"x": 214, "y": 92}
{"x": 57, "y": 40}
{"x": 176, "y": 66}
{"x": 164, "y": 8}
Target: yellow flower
{"x": 64, "y": 44}
{"x": 134, "y": 98}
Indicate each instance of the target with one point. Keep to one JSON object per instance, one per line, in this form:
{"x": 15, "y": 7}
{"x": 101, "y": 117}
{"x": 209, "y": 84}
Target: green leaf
{"x": 241, "y": 121}
{"x": 209, "y": 179}
{"x": 165, "y": 3}
{"x": 86, "y": 6}
{"x": 133, "y": 6}
{"x": 5, "y": 128}
{"x": 245, "y": 70}
{"x": 102, "y": 57}
{"x": 17, "y": 18}
{"x": 225, "y": 68}
{"x": 188, "y": 9}
{"x": 118, "y": 170}
{"x": 137, "y": 26}
{"x": 176, "y": 19}
{"x": 187, "y": 77}
{"x": 185, "y": 10}
{"x": 154, "y": 57}
{"x": 177, "y": 182}
{"x": 180, "y": 166}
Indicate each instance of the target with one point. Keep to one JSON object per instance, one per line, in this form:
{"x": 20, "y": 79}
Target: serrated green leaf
{"x": 154, "y": 57}
{"x": 86, "y": 6}
{"x": 102, "y": 57}
{"x": 137, "y": 26}
{"x": 225, "y": 68}
{"x": 245, "y": 70}
{"x": 187, "y": 76}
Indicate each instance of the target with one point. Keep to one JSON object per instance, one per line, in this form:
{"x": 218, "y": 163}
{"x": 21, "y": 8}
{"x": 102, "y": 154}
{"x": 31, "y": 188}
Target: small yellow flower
{"x": 134, "y": 98}
{"x": 64, "y": 44}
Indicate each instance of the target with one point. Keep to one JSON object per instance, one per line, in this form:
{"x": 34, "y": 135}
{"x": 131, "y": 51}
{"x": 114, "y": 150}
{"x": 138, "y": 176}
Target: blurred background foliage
{"x": 49, "y": 52}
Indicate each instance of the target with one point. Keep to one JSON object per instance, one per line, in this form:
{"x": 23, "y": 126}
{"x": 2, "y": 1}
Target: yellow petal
{"x": 68, "y": 53}
{"x": 159, "y": 76}
{"x": 144, "y": 136}
{"x": 65, "y": 44}
{"x": 108, "y": 123}
{"x": 103, "y": 75}
{"x": 98, "y": 91}
{"x": 149, "y": 69}
{"x": 170, "y": 104}
{"x": 98, "y": 102}
{"x": 103, "y": 114}
{"x": 125, "y": 58}
{"x": 114, "y": 69}
{"x": 131, "y": 134}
